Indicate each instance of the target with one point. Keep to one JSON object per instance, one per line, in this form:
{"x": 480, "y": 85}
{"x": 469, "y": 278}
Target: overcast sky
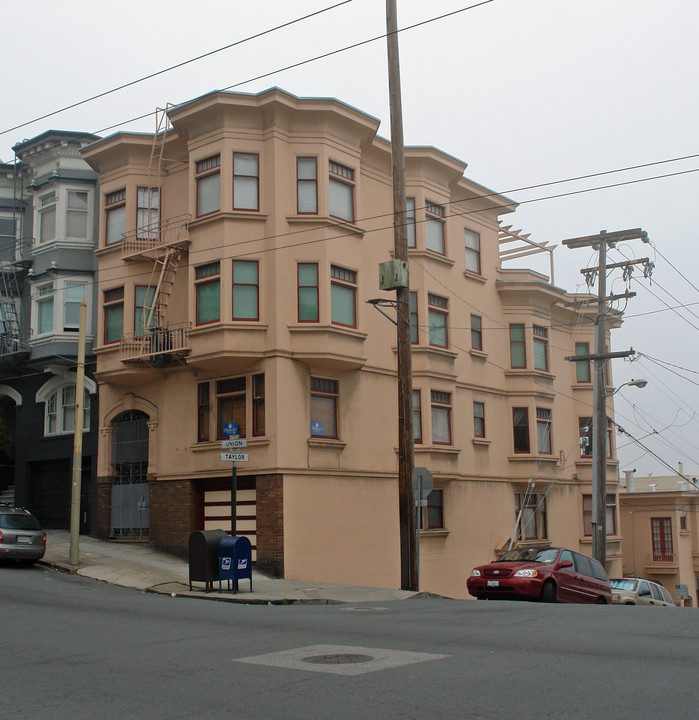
{"x": 524, "y": 91}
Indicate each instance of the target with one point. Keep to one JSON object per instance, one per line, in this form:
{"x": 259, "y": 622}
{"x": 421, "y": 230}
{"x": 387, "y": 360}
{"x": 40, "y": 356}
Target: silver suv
{"x": 639, "y": 591}
{"x": 21, "y": 535}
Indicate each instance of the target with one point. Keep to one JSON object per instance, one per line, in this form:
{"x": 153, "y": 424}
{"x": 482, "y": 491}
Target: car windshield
{"x": 540, "y": 555}
{"x": 19, "y": 522}
{"x": 624, "y": 584}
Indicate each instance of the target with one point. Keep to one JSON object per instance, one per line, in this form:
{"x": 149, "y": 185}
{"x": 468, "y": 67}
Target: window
{"x": 76, "y": 214}
{"x": 208, "y": 185}
{"x": 323, "y": 408}
{"x": 44, "y": 309}
{"x": 246, "y": 181}
{"x": 437, "y": 320}
{"x": 231, "y": 405}
{"x": 308, "y": 292}
{"x": 587, "y": 438}
{"x": 148, "y": 213}
{"x": 414, "y": 331}
{"x": 610, "y": 514}
{"x": 518, "y": 358}
{"x": 541, "y": 348}
{"x": 520, "y": 427}
{"x": 683, "y": 522}
{"x": 47, "y": 217}
{"x": 258, "y": 405}
{"x": 246, "y": 290}
{"x": 115, "y": 206}
{"x": 432, "y": 516}
{"x": 434, "y": 227}
{"x": 143, "y": 309}
{"x": 476, "y": 332}
{"x": 472, "y": 241}
{"x": 343, "y": 291}
{"x": 306, "y": 185}
{"x": 543, "y": 430}
{"x": 341, "y": 191}
{"x": 74, "y": 296}
{"x": 479, "y": 419}
{"x": 441, "y": 417}
{"x": 410, "y": 222}
{"x": 113, "y": 314}
{"x": 203, "y": 412}
{"x": 417, "y": 417}
{"x": 208, "y": 292}
{"x": 60, "y": 411}
{"x": 582, "y": 367}
{"x": 661, "y": 531}
{"x": 530, "y": 516}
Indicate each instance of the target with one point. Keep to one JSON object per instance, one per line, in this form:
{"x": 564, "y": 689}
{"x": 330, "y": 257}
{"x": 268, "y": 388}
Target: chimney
{"x": 681, "y": 467}
{"x": 682, "y": 484}
{"x": 652, "y": 486}
{"x": 629, "y": 480}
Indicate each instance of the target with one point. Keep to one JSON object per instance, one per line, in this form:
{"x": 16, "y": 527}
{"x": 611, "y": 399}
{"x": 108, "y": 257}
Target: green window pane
{"x": 342, "y": 301}
{"x": 245, "y": 302}
{"x": 437, "y": 328}
{"x": 45, "y": 316}
{"x": 245, "y": 272}
{"x": 208, "y": 302}
{"x": 113, "y": 323}
{"x": 308, "y": 304}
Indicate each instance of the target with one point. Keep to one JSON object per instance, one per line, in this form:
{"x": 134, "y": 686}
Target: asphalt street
{"x": 79, "y": 648}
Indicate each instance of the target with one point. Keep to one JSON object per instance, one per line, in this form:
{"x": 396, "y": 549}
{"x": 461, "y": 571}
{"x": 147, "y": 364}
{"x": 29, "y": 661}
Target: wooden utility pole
{"x": 600, "y": 358}
{"x": 406, "y": 462}
{"x": 74, "y": 553}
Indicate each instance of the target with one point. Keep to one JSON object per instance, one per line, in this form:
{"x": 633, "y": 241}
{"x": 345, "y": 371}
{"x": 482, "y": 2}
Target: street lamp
{"x": 640, "y": 383}
{"x": 599, "y": 480}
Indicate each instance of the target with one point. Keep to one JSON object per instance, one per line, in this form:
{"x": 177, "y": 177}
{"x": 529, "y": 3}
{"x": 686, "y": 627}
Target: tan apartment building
{"x": 660, "y": 532}
{"x": 238, "y": 250}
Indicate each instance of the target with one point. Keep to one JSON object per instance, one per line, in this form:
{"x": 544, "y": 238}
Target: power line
{"x": 172, "y": 67}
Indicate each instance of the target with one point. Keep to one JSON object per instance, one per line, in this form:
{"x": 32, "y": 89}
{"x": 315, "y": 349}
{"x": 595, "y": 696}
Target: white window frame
{"x": 57, "y": 290}
{"x": 59, "y": 207}
{"x": 51, "y": 393}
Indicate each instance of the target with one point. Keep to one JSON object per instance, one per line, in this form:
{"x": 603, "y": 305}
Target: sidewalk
{"x": 139, "y": 565}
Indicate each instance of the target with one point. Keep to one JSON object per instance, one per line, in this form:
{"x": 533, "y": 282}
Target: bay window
{"x": 341, "y": 191}
{"x": 246, "y": 290}
{"x": 208, "y": 179}
{"x": 434, "y": 228}
{"x": 543, "y": 430}
{"x": 113, "y": 314}
{"x": 437, "y": 320}
{"x": 77, "y": 214}
{"x": 308, "y": 292}
{"x": 520, "y": 429}
{"x": 208, "y": 292}
{"x": 518, "y": 358}
{"x": 306, "y": 186}
{"x": 246, "y": 181}
{"x": 147, "y": 213}
{"x": 441, "y": 417}
{"x": 115, "y": 208}
{"x": 343, "y": 296}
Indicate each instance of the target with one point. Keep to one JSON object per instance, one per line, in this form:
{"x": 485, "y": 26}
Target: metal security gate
{"x": 129, "y": 506}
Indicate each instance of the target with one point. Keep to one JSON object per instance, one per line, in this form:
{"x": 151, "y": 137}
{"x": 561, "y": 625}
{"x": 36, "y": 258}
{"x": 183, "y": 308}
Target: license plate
{"x": 24, "y": 539}
{"x": 493, "y": 583}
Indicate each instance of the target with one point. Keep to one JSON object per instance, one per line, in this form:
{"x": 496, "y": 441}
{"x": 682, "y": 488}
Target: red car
{"x": 548, "y": 574}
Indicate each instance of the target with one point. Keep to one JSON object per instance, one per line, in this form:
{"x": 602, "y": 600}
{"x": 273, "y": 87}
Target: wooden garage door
{"x": 217, "y": 514}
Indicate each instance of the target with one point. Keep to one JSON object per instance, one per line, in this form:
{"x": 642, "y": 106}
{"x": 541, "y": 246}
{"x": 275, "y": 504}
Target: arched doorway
{"x": 129, "y": 506}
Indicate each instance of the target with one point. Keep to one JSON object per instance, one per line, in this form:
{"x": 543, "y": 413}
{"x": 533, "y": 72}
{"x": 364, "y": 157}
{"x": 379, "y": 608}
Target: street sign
{"x": 423, "y": 482}
{"x": 234, "y": 457}
{"x": 234, "y": 443}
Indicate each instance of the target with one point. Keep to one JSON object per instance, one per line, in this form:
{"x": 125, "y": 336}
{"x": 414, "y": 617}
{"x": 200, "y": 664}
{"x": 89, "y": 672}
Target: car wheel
{"x": 601, "y": 601}
{"x": 628, "y": 602}
{"x": 548, "y": 592}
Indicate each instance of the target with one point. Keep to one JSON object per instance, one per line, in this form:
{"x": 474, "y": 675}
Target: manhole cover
{"x": 338, "y": 659}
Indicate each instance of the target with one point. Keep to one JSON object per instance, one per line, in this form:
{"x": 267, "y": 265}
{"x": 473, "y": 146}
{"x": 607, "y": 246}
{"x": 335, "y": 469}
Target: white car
{"x": 639, "y": 591}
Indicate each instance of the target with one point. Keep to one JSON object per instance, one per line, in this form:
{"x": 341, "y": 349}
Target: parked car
{"x": 549, "y": 574}
{"x": 639, "y": 591}
{"x": 21, "y": 535}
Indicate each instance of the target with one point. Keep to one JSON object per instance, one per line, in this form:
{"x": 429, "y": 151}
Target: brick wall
{"x": 171, "y": 515}
{"x": 270, "y": 524}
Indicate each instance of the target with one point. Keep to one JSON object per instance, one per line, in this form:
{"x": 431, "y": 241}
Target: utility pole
{"x": 406, "y": 460}
{"x": 74, "y": 553}
{"x": 600, "y": 357}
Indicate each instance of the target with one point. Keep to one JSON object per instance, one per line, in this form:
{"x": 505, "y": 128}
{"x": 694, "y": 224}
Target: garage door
{"x": 217, "y": 513}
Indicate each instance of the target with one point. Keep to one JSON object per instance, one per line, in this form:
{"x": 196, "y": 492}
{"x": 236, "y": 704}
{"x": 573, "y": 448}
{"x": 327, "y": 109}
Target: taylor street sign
{"x": 234, "y": 457}
{"x": 234, "y": 443}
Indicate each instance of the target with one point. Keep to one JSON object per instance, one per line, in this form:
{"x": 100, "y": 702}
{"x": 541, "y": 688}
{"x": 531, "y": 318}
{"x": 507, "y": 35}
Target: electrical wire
{"x": 172, "y": 67}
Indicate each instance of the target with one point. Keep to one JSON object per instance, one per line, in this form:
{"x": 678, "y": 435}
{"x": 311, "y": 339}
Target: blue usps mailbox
{"x": 234, "y": 561}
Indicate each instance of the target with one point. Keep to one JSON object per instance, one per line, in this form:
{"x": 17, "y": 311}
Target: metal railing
{"x": 155, "y": 341}
{"x": 148, "y": 240}
{"x": 12, "y": 343}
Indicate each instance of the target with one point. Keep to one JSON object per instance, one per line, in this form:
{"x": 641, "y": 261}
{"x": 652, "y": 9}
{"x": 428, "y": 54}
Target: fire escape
{"x": 14, "y": 339}
{"x": 162, "y": 244}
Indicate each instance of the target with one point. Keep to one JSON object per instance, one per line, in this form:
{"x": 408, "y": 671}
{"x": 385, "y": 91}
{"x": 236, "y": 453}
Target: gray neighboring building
{"x": 48, "y": 228}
